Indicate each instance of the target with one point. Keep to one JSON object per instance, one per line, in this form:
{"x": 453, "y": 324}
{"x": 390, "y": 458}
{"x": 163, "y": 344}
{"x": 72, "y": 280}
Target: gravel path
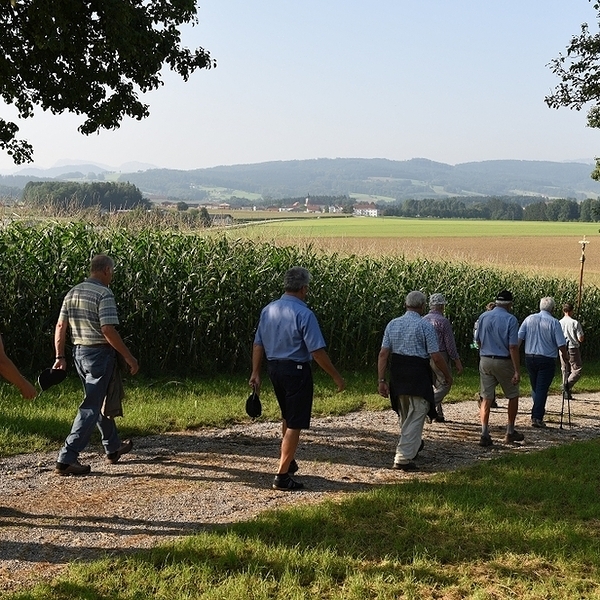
{"x": 176, "y": 484}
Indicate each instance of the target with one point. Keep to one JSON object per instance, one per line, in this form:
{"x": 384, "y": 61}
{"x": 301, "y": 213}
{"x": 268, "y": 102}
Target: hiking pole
{"x": 567, "y": 396}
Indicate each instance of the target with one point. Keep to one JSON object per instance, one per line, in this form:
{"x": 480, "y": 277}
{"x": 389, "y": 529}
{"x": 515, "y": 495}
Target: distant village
{"x": 309, "y": 205}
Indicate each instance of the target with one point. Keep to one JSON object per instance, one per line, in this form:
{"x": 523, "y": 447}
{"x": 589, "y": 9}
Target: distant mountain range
{"x": 380, "y": 178}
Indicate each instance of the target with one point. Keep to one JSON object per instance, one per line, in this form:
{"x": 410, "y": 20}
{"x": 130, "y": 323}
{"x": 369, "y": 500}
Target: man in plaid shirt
{"x": 448, "y": 350}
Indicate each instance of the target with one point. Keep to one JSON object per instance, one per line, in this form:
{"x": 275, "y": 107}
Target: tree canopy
{"x": 579, "y": 74}
{"x": 89, "y": 57}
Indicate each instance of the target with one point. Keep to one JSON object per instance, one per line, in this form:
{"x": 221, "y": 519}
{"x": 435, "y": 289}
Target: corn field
{"x": 189, "y": 304}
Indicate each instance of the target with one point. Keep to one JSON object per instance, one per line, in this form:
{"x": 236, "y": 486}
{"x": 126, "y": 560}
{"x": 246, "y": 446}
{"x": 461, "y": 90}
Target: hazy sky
{"x": 449, "y": 80}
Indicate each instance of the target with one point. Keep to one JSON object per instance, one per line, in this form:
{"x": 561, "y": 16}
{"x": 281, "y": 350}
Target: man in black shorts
{"x": 289, "y": 335}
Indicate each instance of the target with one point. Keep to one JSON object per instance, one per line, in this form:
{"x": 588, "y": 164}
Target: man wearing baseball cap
{"x": 498, "y": 341}
{"x": 447, "y": 344}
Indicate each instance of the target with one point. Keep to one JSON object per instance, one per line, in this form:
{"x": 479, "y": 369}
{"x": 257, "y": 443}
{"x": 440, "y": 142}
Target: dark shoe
{"x": 538, "y": 423}
{"x": 75, "y": 468}
{"x": 114, "y": 457}
{"x": 419, "y": 450}
{"x": 515, "y": 436}
{"x": 409, "y": 466}
{"x": 293, "y": 468}
{"x": 286, "y": 483}
{"x": 485, "y": 441}
{"x": 494, "y": 404}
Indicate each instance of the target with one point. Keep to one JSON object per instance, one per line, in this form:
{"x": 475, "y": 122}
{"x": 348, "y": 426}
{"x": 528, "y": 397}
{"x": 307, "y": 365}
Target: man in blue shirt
{"x": 497, "y": 338}
{"x": 289, "y": 335}
{"x": 543, "y": 336}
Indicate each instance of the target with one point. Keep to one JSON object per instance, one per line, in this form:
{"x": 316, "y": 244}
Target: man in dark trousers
{"x": 289, "y": 335}
{"x": 89, "y": 311}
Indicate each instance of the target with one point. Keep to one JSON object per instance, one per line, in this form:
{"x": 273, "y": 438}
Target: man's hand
{"x": 133, "y": 364}
{"x": 383, "y": 389}
{"x": 27, "y": 390}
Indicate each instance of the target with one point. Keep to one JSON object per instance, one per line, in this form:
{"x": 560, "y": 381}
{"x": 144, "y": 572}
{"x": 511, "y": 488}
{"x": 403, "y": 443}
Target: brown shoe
{"x": 75, "y": 468}
{"x": 114, "y": 457}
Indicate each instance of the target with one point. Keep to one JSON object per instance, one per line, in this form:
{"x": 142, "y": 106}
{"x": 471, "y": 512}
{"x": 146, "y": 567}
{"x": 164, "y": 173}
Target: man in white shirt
{"x": 573, "y": 333}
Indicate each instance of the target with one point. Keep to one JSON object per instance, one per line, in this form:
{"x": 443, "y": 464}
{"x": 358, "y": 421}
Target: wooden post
{"x": 583, "y": 243}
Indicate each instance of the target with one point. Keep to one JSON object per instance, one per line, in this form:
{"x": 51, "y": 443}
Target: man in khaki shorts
{"x": 498, "y": 341}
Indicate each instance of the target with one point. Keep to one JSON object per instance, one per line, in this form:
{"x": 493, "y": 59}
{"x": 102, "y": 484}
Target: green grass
{"x": 383, "y": 227}
{"x": 524, "y": 526}
{"x": 161, "y": 405}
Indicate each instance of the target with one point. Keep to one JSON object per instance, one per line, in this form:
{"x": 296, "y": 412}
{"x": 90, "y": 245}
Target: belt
{"x": 289, "y": 362}
{"x": 497, "y": 357}
{"x": 93, "y": 345}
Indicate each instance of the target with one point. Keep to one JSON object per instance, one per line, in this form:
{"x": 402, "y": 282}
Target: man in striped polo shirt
{"x": 90, "y": 313}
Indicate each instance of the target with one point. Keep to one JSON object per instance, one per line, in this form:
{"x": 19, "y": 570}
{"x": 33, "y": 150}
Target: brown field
{"x": 553, "y": 256}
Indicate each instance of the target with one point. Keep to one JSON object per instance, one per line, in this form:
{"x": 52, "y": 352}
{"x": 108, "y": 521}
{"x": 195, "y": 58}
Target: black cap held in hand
{"x": 253, "y": 406}
{"x": 50, "y": 377}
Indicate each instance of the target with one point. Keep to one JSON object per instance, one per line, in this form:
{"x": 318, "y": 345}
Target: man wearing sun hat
{"x": 447, "y": 344}
{"x": 498, "y": 341}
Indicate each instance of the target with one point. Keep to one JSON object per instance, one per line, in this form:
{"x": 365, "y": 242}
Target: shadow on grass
{"x": 541, "y": 508}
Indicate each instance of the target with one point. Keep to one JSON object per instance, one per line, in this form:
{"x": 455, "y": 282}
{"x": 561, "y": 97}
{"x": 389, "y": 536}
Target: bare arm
{"x": 9, "y": 371}
{"x": 114, "y": 339}
{"x": 564, "y": 353}
{"x": 382, "y": 361}
{"x": 257, "y": 358}
{"x": 441, "y": 364}
{"x": 60, "y": 337}
{"x": 514, "y": 355}
{"x": 322, "y": 359}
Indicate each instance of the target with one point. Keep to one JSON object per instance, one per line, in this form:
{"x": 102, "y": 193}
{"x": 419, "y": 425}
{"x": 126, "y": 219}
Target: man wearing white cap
{"x": 447, "y": 343}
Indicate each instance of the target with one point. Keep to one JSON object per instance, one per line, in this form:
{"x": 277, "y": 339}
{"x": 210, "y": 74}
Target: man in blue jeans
{"x": 543, "y": 337}
{"x": 90, "y": 313}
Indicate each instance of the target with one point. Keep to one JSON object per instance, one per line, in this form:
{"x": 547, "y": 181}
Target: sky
{"x": 452, "y": 81}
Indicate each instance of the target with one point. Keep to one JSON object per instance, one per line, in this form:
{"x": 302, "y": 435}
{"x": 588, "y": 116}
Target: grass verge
{"x": 161, "y": 405}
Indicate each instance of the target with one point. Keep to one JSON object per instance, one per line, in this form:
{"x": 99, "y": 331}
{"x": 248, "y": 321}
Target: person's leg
{"x": 411, "y": 419}
{"x": 289, "y": 445}
{"x": 545, "y": 374}
{"x": 94, "y": 366}
{"x": 575, "y": 366}
{"x": 531, "y": 364}
{"x": 513, "y": 409}
{"x": 293, "y": 386}
{"x": 440, "y": 386}
{"x": 487, "y": 395}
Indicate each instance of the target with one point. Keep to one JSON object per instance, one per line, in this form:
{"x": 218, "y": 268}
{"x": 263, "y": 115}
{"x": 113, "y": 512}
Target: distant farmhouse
{"x": 365, "y": 210}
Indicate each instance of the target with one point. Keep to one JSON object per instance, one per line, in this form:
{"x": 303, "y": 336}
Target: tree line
{"x": 497, "y": 209}
{"x": 67, "y": 195}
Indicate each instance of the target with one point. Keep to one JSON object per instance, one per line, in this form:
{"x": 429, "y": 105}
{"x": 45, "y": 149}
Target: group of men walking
{"x": 417, "y": 351}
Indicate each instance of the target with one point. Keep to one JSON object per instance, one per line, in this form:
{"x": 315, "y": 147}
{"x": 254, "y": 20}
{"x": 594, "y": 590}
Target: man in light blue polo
{"x": 543, "y": 338}
{"x": 289, "y": 335}
{"x": 498, "y": 341}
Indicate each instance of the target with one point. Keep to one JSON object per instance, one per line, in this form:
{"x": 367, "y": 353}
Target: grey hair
{"x": 101, "y": 262}
{"x": 295, "y": 279}
{"x": 547, "y": 303}
{"x": 415, "y": 299}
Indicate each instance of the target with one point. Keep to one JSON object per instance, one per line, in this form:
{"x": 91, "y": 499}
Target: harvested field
{"x": 553, "y": 256}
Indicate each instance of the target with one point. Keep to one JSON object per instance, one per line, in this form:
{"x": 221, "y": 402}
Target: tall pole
{"x": 583, "y": 243}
